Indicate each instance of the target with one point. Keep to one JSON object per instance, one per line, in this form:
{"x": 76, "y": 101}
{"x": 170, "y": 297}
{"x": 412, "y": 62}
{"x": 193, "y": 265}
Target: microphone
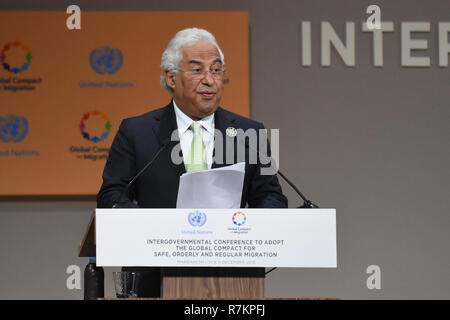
{"x": 307, "y": 204}
{"x": 164, "y": 145}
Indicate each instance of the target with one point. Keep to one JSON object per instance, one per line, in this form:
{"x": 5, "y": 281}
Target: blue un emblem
{"x": 13, "y": 128}
{"x": 197, "y": 218}
{"x": 106, "y": 60}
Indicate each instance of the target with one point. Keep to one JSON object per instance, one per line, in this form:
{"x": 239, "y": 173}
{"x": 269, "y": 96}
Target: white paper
{"x": 215, "y": 188}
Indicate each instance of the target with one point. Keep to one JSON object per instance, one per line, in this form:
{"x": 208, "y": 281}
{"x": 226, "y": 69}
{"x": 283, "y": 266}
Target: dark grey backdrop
{"x": 370, "y": 142}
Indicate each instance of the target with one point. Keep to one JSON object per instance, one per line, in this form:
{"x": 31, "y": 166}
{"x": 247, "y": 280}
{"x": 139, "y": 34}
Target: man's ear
{"x": 170, "y": 79}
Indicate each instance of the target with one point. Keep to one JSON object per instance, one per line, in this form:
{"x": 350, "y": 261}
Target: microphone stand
{"x": 307, "y": 204}
{"x": 164, "y": 146}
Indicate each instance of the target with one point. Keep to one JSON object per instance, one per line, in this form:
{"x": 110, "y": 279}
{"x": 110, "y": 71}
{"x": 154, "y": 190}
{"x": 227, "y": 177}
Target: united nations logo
{"x": 106, "y": 60}
{"x": 13, "y": 128}
{"x": 197, "y": 218}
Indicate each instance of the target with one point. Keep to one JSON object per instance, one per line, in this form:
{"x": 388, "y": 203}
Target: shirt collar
{"x": 184, "y": 122}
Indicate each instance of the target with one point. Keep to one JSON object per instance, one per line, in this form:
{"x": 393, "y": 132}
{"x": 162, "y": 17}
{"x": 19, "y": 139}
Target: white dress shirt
{"x": 186, "y": 135}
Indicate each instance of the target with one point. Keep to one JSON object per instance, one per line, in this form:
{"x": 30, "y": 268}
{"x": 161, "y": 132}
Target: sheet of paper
{"x": 215, "y": 188}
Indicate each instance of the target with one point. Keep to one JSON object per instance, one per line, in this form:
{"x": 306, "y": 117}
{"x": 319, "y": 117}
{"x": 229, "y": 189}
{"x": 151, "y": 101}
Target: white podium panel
{"x": 216, "y": 237}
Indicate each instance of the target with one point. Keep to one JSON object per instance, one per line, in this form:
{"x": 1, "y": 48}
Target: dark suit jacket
{"x": 136, "y": 143}
{"x": 140, "y": 138}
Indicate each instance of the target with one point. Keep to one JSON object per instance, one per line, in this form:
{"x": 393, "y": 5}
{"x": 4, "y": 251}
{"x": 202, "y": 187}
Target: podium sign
{"x": 216, "y": 237}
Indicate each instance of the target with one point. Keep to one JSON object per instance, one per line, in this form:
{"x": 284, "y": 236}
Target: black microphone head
{"x": 308, "y": 205}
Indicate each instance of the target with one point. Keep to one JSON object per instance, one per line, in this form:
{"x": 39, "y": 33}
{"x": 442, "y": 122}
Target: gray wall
{"x": 370, "y": 142}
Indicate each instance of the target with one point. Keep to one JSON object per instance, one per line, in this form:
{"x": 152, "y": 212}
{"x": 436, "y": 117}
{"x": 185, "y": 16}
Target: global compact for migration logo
{"x": 106, "y": 128}
{"x": 26, "y": 57}
{"x": 15, "y": 58}
{"x": 95, "y": 126}
{"x": 239, "y": 218}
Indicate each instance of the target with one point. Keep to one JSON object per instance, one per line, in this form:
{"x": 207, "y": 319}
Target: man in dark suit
{"x": 193, "y": 72}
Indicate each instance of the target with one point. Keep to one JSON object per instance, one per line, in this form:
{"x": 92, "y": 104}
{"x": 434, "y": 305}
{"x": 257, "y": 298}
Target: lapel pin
{"x": 231, "y": 132}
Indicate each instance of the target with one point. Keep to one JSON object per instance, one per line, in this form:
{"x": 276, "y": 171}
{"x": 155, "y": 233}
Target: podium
{"x": 212, "y": 253}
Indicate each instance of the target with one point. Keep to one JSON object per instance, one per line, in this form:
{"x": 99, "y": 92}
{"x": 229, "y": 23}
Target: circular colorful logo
{"x": 89, "y": 116}
{"x": 13, "y": 128}
{"x": 197, "y": 218}
{"x": 26, "y": 57}
{"x": 239, "y": 218}
{"x": 106, "y": 60}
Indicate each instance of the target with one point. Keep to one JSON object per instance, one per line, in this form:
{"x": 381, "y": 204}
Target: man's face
{"x": 197, "y": 95}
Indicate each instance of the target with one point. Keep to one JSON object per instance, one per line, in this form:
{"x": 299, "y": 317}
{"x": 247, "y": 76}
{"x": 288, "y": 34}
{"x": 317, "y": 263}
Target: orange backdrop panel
{"x": 59, "y": 113}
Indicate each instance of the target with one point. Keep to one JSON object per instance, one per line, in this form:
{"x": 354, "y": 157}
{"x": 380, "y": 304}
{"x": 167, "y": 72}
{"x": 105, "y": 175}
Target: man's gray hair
{"x": 171, "y": 57}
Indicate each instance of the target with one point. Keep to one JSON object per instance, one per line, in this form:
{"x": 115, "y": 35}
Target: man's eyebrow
{"x": 199, "y": 62}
